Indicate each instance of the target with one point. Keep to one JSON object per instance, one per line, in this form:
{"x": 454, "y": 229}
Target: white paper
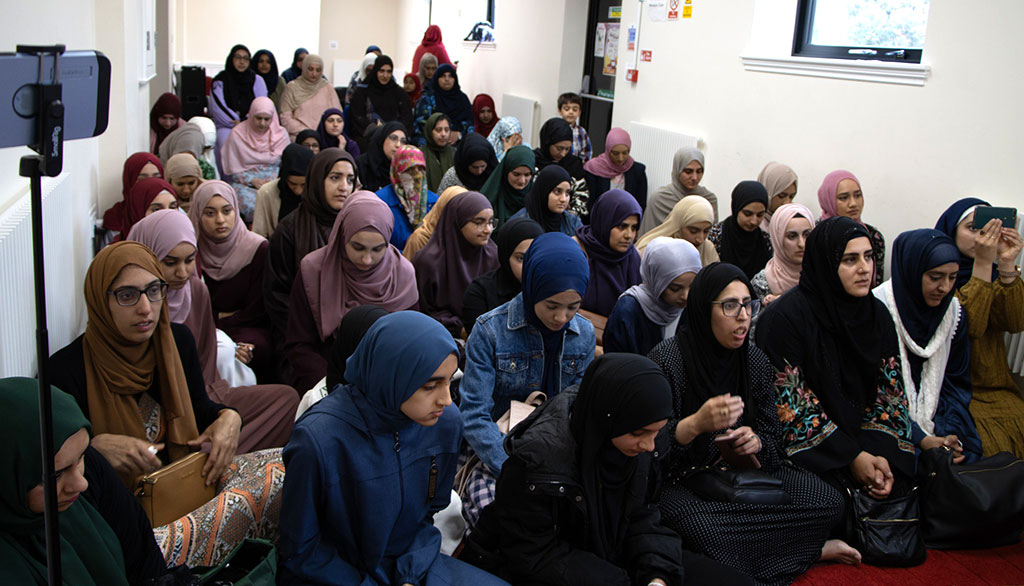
{"x": 599, "y": 40}
{"x": 656, "y": 11}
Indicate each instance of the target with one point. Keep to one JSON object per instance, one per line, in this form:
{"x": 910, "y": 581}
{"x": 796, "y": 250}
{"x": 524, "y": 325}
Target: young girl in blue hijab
{"x": 369, "y": 465}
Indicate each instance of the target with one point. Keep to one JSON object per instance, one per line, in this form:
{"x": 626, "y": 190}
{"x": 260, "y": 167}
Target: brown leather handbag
{"x": 175, "y": 490}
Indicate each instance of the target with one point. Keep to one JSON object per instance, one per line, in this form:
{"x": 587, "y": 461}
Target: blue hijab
{"x": 294, "y": 71}
{"x": 947, "y": 224}
{"x": 914, "y": 253}
{"x": 554, "y": 263}
{"x": 377, "y": 385}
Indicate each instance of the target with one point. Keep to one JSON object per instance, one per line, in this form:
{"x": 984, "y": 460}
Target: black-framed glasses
{"x": 731, "y": 307}
{"x": 129, "y": 296}
{"x": 398, "y": 139}
{"x": 480, "y": 222}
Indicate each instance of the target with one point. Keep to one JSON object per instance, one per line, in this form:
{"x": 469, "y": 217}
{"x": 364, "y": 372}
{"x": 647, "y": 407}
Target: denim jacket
{"x": 505, "y": 362}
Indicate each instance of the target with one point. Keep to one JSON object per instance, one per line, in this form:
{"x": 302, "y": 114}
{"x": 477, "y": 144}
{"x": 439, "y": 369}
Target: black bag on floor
{"x": 723, "y": 484}
{"x": 886, "y": 532}
{"x": 975, "y": 505}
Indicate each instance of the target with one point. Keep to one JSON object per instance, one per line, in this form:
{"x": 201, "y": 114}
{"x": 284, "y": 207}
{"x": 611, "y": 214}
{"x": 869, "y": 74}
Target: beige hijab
{"x": 775, "y": 177}
{"x": 421, "y": 235}
{"x": 300, "y": 90}
{"x": 687, "y": 212}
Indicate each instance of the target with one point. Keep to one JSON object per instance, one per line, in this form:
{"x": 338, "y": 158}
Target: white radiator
{"x": 527, "y": 111}
{"x": 655, "y": 146}
{"x": 1015, "y": 342}
{"x": 17, "y": 296}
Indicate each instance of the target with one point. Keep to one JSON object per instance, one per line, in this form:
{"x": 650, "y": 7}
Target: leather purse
{"x": 886, "y": 532}
{"x": 252, "y": 563}
{"x": 979, "y": 505}
{"x": 175, "y": 490}
{"x": 723, "y": 484}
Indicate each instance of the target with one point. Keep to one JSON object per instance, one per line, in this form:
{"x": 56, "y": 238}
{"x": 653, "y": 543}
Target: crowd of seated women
{"x": 342, "y": 295}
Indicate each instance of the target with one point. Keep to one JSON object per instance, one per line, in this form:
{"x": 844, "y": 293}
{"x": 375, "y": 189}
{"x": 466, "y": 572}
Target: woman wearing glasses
{"x": 138, "y": 379}
{"x": 459, "y": 250}
{"x": 725, "y": 405}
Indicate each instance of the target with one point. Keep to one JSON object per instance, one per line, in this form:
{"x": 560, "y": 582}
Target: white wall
{"x": 338, "y": 20}
{"x": 915, "y": 149}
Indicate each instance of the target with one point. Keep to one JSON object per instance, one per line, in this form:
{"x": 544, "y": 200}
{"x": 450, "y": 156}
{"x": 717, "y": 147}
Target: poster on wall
{"x": 673, "y": 9}
{"x": 599, "y": 40}
{"x": 147, "y": 71}
{"x": 656, "y": 10}
{"x": 611, "y": 48}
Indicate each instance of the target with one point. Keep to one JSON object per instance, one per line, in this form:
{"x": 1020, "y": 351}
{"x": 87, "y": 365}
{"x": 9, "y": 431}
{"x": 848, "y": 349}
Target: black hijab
{"x": 473, "y": 148}
{"x": 454, "y": 102}
{"x": 537, "y": 199}
{"x": 272, "y": 77}
{"x": 384, "y": 98}
{"x": 353, "y": 327}
{"x": 294, "y": 161}
{"x": 620, "y": 393}
{"x": 294, "y": 70}
{"x": 238, "y": 90}
{"x": 712, "y": 369}
{"x": 374, "y": 166}
{"x": 556, "y": 130}
{"x": 314, "y": 218}
{"x": 747, "y": 250}
{"x": 309, "y": 133}
{"x": 508, "y": 238}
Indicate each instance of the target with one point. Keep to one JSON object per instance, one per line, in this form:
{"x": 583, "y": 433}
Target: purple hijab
{"x": 611, "y": 271}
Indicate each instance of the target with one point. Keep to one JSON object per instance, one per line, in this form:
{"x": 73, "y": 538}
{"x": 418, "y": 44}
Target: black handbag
{"x": 886, "y": 532}
{"x": 723, "y": 484}
{"x": 977, "y": 505}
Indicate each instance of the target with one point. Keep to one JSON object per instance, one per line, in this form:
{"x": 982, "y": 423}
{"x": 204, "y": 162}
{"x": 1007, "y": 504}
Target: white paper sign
{"x": 599, "y": 40}
{"x": 656, "y": 10}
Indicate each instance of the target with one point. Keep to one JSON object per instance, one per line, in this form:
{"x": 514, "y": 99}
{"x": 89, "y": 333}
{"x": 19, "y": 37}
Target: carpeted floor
{"x": 1003, "y": 566}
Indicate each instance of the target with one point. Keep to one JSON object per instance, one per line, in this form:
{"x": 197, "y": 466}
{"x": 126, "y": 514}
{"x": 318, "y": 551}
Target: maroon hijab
{"x": 167, "y": 103}
{"x": 113, "y": 218}
{"x": 139, "y": 198}
{"x": 449, "y": 263}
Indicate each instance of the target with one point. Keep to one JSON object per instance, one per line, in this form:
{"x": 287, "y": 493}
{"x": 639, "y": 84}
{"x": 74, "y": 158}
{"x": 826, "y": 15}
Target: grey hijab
{"x": 660, "y": 203}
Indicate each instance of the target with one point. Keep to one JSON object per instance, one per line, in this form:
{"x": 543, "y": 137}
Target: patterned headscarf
{"x": 414, "y": 198}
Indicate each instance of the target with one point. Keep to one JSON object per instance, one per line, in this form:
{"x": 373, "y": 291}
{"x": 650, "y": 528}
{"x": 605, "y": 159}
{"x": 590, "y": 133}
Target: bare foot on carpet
{"x": 837, "y": 550}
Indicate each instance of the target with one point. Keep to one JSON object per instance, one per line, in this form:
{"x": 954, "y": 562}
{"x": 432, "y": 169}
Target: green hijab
{"x": 90, "y": 552}
{"x": 439, "y": 158}
{"x": 505, "y": 199}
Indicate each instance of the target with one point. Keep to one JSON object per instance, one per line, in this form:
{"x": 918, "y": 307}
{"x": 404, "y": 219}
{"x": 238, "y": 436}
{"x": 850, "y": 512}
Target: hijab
{"x": 378, "y": 388}
{"x": 537, "y": 200}
{"x": 620, "y": 393}
{"x": 611, "y": 271}
{"x": 183, "y": 165}
{"x": 480, "y": 102}
{"x": 426, "y": 59}
{"x": 294, "y": 70}
{"x": 503, "y": 129}
{"x": 506, "y": 199}
{"x": 113, "y": 218}
{"x": 272, "y": 77}
{"x": 116, "y": 370}
{"x": 353, "y": 327}
{"x": 664, "y": 261}
{"x": 222, "y": 259}
{"x": 688, "y": 211}
{"x": 413, "y": 197}
{"x": 421, "y": 235}
{"x": 472, "y": 148}
{"x": 167, "y": 103}
{"x": 294, "y": 162}
{"x": 660, "y": 203}
{"x": 602, "y": 165}
{"x": 431, "y": 44}
{"x": 314, "y": 219}
{"x": 300, "y": 90}
{"x": 327, "y": 140}
{"x": 948, "y": 223}
{"x": 508, "y": 238}
{"x": 160, "y": 232}
{"x": 139, "y": 198}
{"x": 246, "y": 147}
{"x": 90, "y": 551}
{"x": 453, "y": 102}
{"x": 334, "y": 285}
{"x": 374, "y": 166}
{"x": 238, "y": 85}
{"x": 827, "y": 193}
{"x": 309, "y": 133}
{"x": 783, "y": 271}
{"x": 187, "y": 138}
{"x": 746, "y": 249}
{"x": 776, "y": 178}
{"x": 554, "y": 263}
{"x": 554, "y": 130}
{"x": 386, "y": 99}
{"x": 417, "y": 91}
{"x": 449, "y": 263}
{"x": 209, "y": 132}
{"x": 368, "y": 60}
{"x": 712, "y": 369}
{"x": 439, "y": 157}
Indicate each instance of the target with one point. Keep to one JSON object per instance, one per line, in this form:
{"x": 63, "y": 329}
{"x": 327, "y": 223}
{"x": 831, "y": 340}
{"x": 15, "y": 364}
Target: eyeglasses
{"x": 129, "y": 296}
{"x": 398, "y": 139}
{"x": 731, "y": 307}
{"x": 480, "y": 222}
{"x": 241, "y": 57}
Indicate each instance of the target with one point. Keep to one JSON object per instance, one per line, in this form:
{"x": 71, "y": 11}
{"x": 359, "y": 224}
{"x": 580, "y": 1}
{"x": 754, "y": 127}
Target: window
{"x": 882, "y": 30}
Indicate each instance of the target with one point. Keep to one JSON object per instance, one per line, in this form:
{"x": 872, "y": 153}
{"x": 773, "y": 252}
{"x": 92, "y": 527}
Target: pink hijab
{"x": 602, "y": 165}
{"x": 222, "y": 259}
{"x": 827, "y": 192}
{"x": 160, "y": 232}
{"x": 247, "y": 147}
{"x": 783, "y": 272}
{"x": 334, "y": 285}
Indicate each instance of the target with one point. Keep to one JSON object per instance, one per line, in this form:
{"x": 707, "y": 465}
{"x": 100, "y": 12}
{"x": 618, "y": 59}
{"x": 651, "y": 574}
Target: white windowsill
{"x": 856, "y": 70}
{"x": 471, "y": 45}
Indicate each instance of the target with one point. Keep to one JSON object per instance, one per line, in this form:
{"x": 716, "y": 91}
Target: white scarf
{"x": 924, "y": 401}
